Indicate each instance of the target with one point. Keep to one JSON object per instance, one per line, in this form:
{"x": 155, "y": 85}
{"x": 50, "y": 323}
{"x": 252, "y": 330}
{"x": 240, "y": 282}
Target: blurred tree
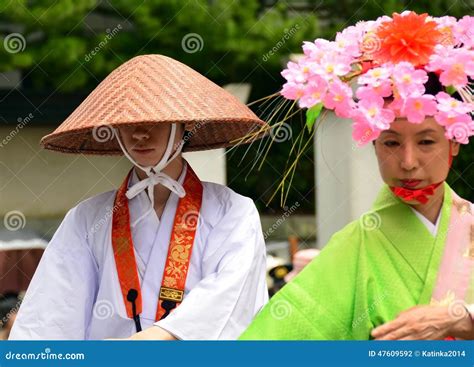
{"x": 77, "y": 43}
{"x": 338, "y": 14}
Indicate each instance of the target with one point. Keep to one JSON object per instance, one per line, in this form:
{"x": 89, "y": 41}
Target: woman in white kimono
{"x": 165, "y": 256}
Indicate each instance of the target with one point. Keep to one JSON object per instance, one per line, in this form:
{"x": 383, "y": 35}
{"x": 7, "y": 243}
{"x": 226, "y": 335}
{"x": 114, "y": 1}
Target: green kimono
{"x": 368, "y": 273}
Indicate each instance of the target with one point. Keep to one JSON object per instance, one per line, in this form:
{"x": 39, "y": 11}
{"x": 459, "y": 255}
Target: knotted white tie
{"x": 155, "y": 176}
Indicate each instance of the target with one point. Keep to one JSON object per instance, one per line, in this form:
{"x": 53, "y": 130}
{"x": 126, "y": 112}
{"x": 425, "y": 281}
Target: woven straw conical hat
{"x": 153, "y": 89}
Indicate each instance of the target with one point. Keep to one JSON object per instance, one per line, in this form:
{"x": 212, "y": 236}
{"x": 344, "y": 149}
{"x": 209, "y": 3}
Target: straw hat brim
{"x": 101, "y": 141}
{"x": 150, "y": 90}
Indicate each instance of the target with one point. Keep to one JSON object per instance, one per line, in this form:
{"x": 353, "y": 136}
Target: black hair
{"x": 433, "y": 86}
{"x": 187, "y": 137}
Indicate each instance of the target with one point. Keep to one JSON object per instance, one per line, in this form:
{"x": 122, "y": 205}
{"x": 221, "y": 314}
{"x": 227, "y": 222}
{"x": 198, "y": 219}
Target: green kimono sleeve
{"x": 327, "y": 300}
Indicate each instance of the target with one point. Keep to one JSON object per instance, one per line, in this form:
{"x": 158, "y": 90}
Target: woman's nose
{"x": 409, "y": 159}
{"x": 140, "y": 134}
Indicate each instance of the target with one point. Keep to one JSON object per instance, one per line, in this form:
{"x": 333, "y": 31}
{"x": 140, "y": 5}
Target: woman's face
{"x": 147, "y": 144}
{"x": 414, "y": 155}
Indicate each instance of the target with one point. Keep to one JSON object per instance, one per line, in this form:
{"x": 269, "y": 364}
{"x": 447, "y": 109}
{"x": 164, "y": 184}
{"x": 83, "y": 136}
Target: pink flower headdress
{"x": 389, "y": 58}
{"x": 374, "y": 72}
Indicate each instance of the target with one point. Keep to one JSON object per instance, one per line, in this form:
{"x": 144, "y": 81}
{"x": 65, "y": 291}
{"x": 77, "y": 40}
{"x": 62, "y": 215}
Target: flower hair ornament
{"x": 376, "y": 71}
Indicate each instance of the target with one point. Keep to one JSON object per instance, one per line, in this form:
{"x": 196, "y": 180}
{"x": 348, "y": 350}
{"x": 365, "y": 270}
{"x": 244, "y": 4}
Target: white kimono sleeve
{"x": 59, "y": 301}
{"x": 233, "y": 288}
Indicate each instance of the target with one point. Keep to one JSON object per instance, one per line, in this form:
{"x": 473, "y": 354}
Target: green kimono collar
{"x": 405, "y": 231}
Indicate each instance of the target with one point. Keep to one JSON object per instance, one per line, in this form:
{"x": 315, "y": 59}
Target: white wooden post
{"x": 347, "y": 177}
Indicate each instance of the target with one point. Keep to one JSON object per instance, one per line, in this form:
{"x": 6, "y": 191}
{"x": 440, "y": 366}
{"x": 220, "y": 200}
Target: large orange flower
{"x": 406, "y": 38}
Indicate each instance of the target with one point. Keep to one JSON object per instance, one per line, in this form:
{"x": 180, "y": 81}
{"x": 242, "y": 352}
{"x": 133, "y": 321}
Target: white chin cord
{"x": 155, "y": 176}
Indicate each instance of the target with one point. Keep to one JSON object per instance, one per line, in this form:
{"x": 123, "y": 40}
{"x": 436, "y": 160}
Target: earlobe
{"x": 455, "y": 148}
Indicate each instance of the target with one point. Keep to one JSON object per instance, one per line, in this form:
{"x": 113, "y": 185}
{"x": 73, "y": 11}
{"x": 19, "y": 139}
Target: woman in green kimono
{"x": 405, "y": 270}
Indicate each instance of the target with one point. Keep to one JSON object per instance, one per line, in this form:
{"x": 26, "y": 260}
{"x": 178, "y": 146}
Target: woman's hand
{"x": 153, "y": 333}
{"x": 428, "y": 323}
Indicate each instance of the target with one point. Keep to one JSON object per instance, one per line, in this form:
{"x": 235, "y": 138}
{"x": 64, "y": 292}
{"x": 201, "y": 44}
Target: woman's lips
{"x": 410, "y": 184}
{"x": 143, "y": 151}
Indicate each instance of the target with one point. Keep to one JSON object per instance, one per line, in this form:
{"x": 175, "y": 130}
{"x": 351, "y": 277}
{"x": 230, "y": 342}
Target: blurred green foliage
{"x": 61, "y": 35}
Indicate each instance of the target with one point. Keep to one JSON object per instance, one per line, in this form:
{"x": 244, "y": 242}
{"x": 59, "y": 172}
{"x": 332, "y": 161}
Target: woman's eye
{"x": 391, "y": 143}
{"x": 427, "y": 142}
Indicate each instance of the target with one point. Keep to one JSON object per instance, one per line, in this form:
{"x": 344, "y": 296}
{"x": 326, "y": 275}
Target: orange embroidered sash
{"x": 179, "y": 251}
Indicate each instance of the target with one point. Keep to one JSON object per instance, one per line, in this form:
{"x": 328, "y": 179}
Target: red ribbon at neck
{"x": 420, "y": 195}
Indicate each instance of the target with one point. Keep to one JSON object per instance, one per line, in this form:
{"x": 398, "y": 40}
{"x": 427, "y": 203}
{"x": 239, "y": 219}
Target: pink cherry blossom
{"x": 375, "y": 76}
{"x": 371, "y": 110}
{"x": 446, "y": 21}
{"x": 314, "y": 92}
{"x": 364, "y": 26}
{"x": 378, "y": 80}
{"x": 459, "y": 68}
{"x": 440, "y": 54}
{"x": 339, "y": 98}
{"x": 446, "y": 103}
{"x": 464, "y": 31}
{"x": 347, "y": 41}
{"x": 452, "y": 117}
{"x": 455, "y": 64}
{"x": 446, "y": 25}
{"x": 317, "y": 49}
{"x": 380, "y": 20}
{"x": 333, "y": 65}
{"x": 363, "y": 133}
{"x": 367, "y": 92}
{"x": 295, "y": 73}
{"x": 383, "y": 90}
{"x": 292, "y": 90}
{"x": 417, "y": 108}
{"x": 396, "y": 105}
{"x": 408, "y": 80}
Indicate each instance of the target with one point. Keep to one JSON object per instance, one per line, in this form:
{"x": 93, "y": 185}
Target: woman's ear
{"x": 455, "y": 148}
